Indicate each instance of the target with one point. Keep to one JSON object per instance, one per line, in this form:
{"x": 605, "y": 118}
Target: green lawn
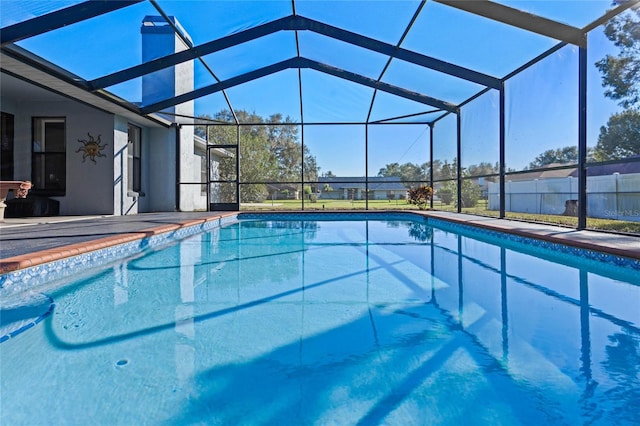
{"x": 480, "y": 209}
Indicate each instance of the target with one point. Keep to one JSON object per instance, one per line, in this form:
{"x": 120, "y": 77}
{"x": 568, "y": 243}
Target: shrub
{"x": 470, "y": 193}
{"x": 446, "y": 195}
{"x": 420, "y": 196}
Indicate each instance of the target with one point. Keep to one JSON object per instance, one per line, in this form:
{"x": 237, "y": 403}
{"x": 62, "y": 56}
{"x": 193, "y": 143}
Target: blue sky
{"x": 541, "y": 102}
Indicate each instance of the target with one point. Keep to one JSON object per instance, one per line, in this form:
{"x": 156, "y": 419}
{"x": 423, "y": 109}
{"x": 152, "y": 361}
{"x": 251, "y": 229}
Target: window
{"x": 134, "y": 169}
{"x": 49, "y": 162}
{"x": 6, "y": 137}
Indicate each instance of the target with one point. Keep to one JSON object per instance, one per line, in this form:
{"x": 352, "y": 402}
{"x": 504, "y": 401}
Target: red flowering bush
{"x": 420, "y": 196}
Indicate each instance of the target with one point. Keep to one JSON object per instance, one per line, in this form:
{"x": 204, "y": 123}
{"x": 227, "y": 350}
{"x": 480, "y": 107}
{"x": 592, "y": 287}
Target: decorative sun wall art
{"x": 91, "y": 148}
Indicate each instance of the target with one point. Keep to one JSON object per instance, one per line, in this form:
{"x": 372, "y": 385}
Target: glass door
{"x": 223, "y": 188}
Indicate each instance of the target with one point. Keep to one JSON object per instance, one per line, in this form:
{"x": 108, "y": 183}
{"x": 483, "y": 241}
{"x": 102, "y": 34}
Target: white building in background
{"x": 86, "y": 155}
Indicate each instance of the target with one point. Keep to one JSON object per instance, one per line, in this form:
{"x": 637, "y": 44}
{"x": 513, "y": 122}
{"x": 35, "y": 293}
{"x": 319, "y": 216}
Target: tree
{"x": 470, "y": 192}
{"x": 408, "y": 173}
{"x": 411, "y": 173}
{"x": 269, "y": 151}
{"x": 483, "y": 169}
{"x": 621, "y": 73}
{"x": 446, "y": 193}
{"x": 392, "y": 169}
{"x": 620, "y": 138}
{"x": 566, "y": 155}
{"x": 447, "y": 171}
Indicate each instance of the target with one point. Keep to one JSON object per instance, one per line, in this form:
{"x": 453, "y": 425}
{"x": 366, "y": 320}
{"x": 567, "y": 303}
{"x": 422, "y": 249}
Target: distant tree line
{"x": 410, "y": 173}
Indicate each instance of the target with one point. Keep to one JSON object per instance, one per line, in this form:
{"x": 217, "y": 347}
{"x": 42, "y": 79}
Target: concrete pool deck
{"x": 33, "y": 241}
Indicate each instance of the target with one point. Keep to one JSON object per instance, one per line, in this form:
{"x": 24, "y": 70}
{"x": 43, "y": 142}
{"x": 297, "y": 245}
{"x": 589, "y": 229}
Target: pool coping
{"x": 609, "y": 243}
{"x": 28, "y": 260}
{"x": 614, "y": 244}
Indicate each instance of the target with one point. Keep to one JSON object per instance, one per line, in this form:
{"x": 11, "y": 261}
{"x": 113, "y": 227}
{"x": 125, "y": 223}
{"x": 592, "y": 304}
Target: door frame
{"x": 234, "y": 206}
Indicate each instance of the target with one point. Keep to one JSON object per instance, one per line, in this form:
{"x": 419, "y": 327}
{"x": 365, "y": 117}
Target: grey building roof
{"x": 632, "y": 166}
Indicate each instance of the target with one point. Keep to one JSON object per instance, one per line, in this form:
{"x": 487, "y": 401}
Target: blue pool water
{"x": 323, "y": 322}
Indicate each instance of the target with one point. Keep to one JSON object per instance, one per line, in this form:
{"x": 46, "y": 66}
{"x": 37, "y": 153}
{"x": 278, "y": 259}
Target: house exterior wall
{"x": 159, "y": 170}
{"x": 331, "y": 195}
{"x": 359, "y": 195}
{"x": 101, "y": 187}
{"x": 160, "y": 40}
{"x": 384, "y": 195}
{"x": 191, "y": 197}
{"x": 86, "y": 182}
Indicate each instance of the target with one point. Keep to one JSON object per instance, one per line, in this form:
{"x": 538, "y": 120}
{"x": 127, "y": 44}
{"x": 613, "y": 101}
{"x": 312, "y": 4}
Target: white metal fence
{"x": 613, "y": 196}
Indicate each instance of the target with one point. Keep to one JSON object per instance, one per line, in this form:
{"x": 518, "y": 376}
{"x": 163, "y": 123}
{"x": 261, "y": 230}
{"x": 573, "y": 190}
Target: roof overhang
{"x": 32, "y": 69}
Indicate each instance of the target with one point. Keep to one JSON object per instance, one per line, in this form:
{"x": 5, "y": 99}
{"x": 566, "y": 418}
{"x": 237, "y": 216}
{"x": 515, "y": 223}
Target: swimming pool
{"x": 301, "y": 320}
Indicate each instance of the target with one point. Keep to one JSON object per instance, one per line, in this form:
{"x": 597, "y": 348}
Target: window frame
{"x": 43, "y": 157}
{"x": 134, "y": 160}
{"x": 7, "y": 134}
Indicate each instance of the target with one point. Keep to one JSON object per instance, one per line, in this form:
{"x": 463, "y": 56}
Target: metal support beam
{"x": 60, "y": 18}
{"x": 582, "y": 137}
{"x": 385, "y": 87}
{"x": 366, "y": 167}
{"x": 295, "y": 23}
{"x": 611, "y": 13}
{"x": 190, "y": 54}
{"x": 520, "y": 19}
{"x": 397, "y": 52}
{"x": 298, "y": 63}
{"x": 397, "y": 45}
{"x": 178, "y": 190}
{"x": 216, "y": 87}
{"x": 458, "y": 154}
{"x": 431, "y": 126}
{"x": 502, "y": 163}
{"x": 238, "y": 142}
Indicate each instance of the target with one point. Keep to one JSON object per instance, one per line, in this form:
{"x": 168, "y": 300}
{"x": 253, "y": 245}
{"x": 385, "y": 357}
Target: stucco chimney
{"x": 160, "y": 39}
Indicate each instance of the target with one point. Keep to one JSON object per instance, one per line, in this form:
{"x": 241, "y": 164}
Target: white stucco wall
{"x": 158, "y": 166}
{"x": 124, "y": 202}
{"x": 86, "y": 181}
{"x": 99, "y": 188}
{"x": 102, "y": 187}
{"x": 191, "y": 198}
{"x": 157, "y": 170}
{"x": 160, "y": 41}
